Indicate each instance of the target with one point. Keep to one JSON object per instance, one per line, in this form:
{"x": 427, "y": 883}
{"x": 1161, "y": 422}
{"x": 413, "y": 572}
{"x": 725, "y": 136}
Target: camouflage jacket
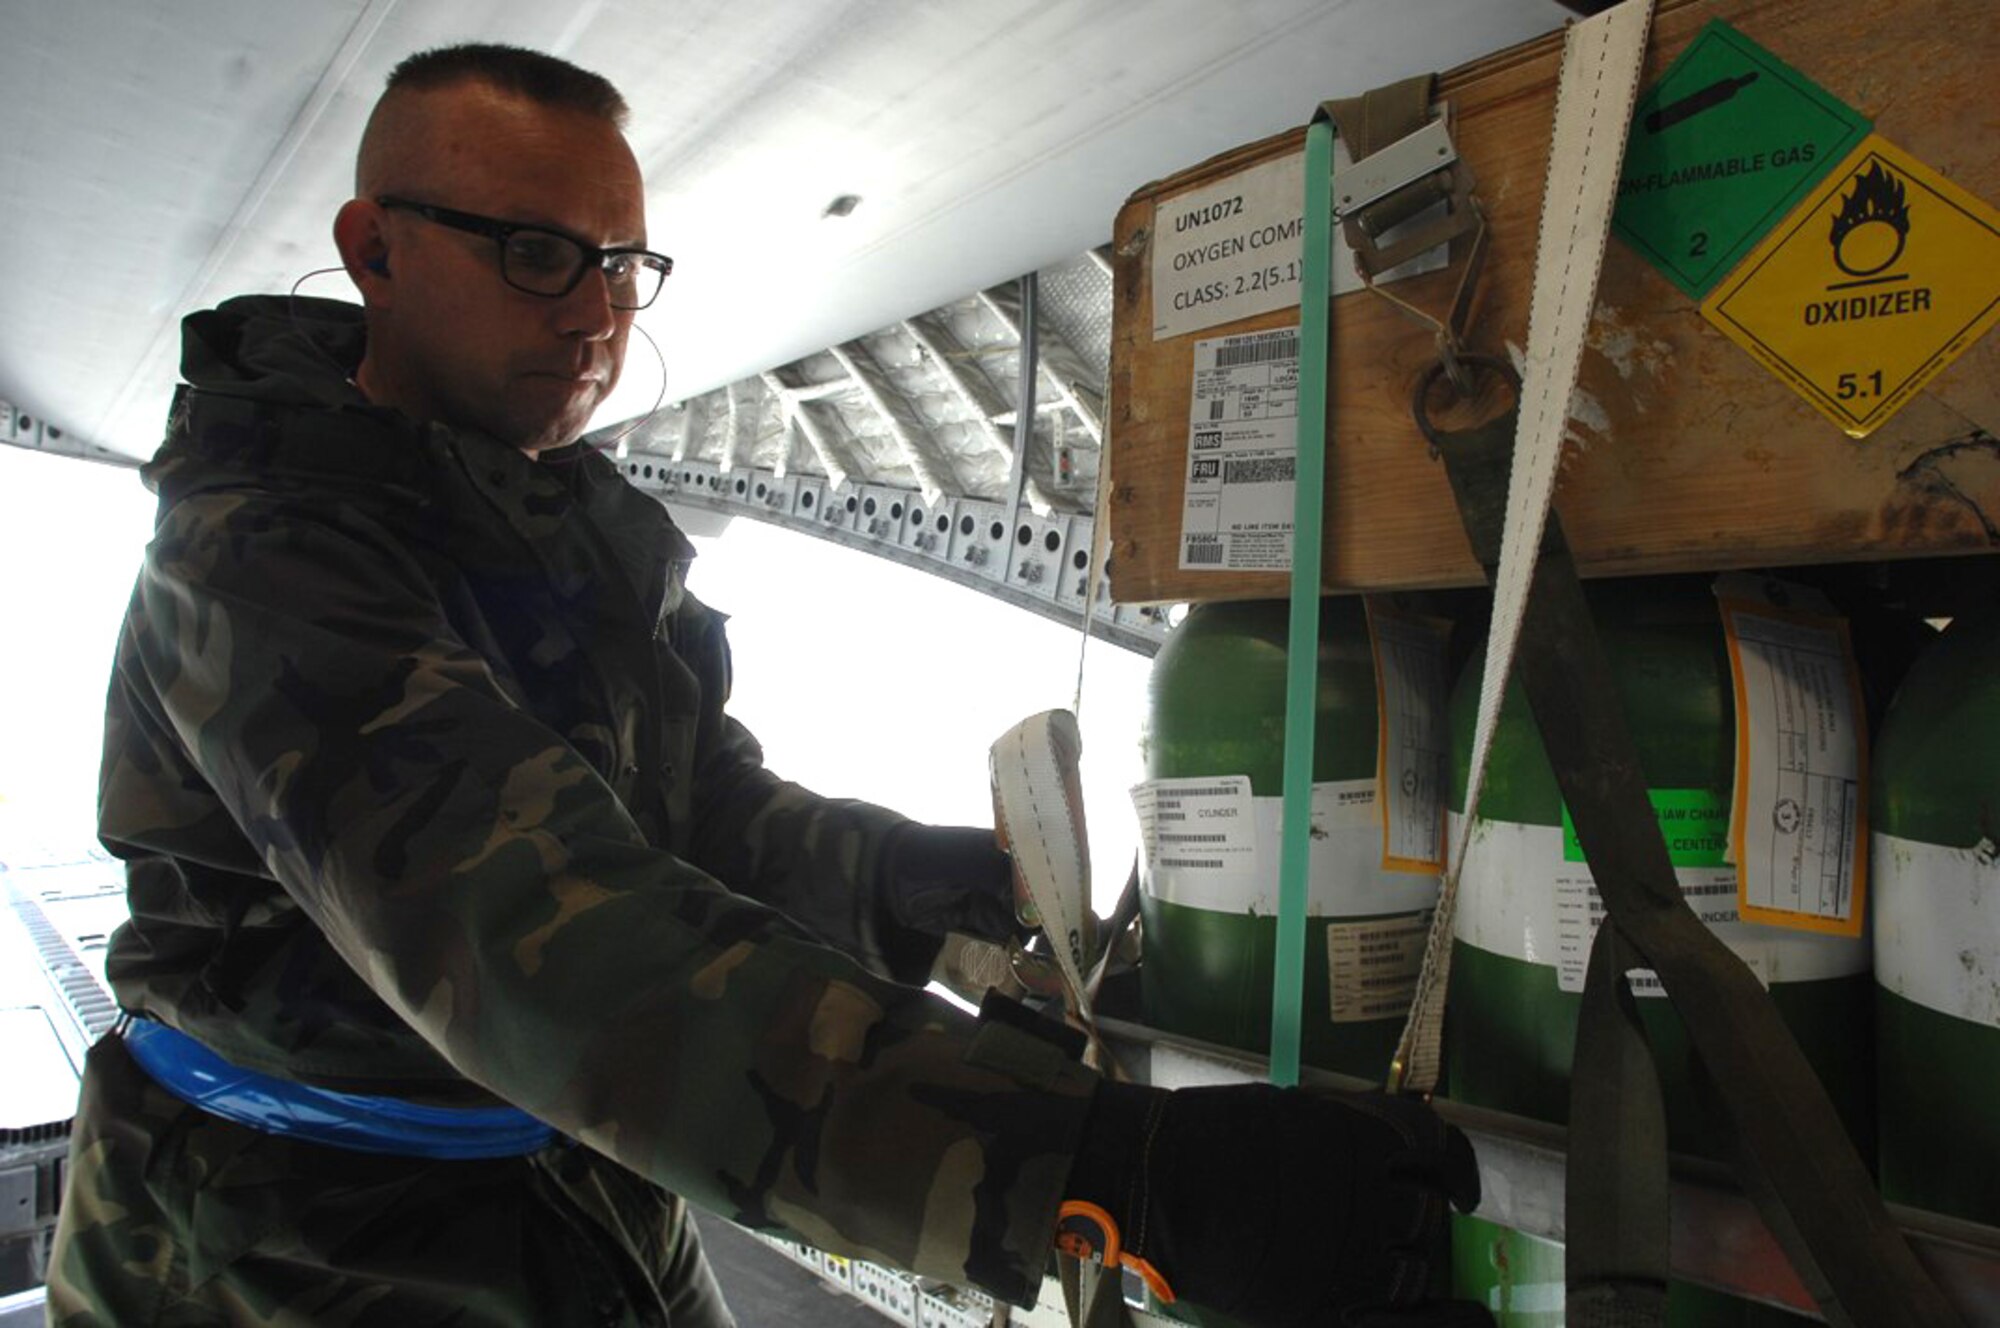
{"x": 417, "y": 755}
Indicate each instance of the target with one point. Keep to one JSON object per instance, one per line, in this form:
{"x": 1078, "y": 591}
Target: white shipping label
{"x": 1207, "y": 843}
{"x": 1412, "y": 695}
{"x": 1372, "y": 966}
{"x": 1520, "y": 897}
{"x": 1710, "y": 891}
{"x": 1797, "y": 820}
{"x": 1937, "y": 925}
{"x": 1197, "y": 829}
{"x": 1243, "y": 450}
{"x": 1234, "y": 249}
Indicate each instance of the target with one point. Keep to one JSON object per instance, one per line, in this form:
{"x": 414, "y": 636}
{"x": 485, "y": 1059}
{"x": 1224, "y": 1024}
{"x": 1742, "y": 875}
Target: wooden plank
{"x": 1704, "y": 459}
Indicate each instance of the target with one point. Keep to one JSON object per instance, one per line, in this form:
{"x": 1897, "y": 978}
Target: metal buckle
{"x": 1404, "y": 164}
{"x": 1376, "y": 180}
{"x": 1401, "y": 164}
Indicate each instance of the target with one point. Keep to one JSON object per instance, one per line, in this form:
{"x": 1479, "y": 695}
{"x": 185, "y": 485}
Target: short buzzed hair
{"x": 531, "y": 75}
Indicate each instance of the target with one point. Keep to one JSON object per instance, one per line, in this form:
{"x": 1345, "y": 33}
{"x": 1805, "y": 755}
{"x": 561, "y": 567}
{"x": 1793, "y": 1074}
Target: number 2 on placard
{"x": 1698, "y": 245}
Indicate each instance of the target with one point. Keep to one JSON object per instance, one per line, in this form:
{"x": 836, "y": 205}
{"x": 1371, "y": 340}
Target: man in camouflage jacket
{"x": 417, "y": 756}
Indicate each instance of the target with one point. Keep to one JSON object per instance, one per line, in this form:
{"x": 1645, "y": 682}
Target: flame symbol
{"x": 1877, "y": 198}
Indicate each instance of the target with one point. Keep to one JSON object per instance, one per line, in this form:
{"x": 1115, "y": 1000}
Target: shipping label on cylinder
{"x": 1797, "y": 827}
{"x": 1372, "y": 966}
{"x": 1197, "y": 837}
{"x": 1412, "y": 695}
{"x": 1206, "y": 842}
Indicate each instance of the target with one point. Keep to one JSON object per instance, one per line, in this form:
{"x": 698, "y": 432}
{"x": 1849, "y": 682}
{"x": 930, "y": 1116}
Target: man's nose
{"x": 586, "y": 311}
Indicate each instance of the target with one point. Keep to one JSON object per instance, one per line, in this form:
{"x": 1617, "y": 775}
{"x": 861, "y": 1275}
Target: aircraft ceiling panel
{"x": 160, "y": 157}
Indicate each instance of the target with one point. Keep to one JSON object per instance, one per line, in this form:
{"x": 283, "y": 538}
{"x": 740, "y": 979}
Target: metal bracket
{"x": 1397, "y": 166}
{"x": 1384, "y": 196}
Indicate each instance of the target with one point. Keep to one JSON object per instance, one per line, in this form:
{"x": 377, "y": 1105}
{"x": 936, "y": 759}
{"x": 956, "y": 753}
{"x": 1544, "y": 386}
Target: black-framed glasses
{"x": 547, "y": 262}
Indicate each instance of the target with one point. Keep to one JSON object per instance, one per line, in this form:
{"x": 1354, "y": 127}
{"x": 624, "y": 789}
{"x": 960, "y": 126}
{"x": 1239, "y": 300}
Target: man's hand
{"x": 938, "y": 879}
{"x": 1280, "y": 1207}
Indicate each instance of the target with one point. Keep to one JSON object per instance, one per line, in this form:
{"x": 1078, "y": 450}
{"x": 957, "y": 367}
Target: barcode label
{"x": 1236, "y": 512}
{"x": 1212, "y": 864}
{"x": 1193, "y": 839}
{"x": 1260, "y": 470}
{"x": 1283, "y": 347}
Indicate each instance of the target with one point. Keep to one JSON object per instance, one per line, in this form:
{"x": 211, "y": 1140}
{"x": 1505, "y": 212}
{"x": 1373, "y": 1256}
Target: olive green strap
{"x": 1616, "y": 1186}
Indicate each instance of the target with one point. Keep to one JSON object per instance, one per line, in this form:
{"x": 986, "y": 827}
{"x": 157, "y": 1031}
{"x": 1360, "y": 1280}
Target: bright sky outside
{"x": 71, "y": 533}
{"x": 861, "y": 677}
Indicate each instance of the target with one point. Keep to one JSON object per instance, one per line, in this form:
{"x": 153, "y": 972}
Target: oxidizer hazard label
{"x": 1882, "y": 278}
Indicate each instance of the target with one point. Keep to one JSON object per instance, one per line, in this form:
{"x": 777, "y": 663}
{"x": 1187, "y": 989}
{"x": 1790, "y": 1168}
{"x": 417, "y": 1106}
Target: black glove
{"x": 1284, "y": 1208}
{"x": 943, "y": 878}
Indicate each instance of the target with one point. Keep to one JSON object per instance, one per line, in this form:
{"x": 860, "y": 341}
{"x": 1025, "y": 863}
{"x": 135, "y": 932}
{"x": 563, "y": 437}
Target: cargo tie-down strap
{"x": 1594, "y": 98}
{"x": 1038, "y": 814}
{"x": 1796, "y": 1160}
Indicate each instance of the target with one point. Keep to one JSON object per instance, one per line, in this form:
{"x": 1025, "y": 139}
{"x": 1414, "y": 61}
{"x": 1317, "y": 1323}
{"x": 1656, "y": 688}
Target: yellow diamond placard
{"x": 1882, "y": 277}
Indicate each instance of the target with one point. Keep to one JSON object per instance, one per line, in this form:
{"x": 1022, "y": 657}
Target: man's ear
{"x": 363, "y": 241}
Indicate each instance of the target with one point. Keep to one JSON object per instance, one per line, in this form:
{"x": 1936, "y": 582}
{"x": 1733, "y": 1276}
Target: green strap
{"x": 1288, "y": 977}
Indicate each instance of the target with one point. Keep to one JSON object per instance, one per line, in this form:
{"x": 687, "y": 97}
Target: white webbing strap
{"x": 1038, "y": 815}
{"x": 1594, "y": 99}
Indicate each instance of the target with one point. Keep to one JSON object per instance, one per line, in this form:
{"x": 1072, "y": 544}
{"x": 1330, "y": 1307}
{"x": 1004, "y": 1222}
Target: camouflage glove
{"x": 1279, "y": 1207}
{"x": 942, "y": 878}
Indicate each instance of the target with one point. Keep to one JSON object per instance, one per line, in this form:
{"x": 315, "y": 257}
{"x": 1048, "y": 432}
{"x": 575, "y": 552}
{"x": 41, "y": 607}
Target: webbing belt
{"x": 363, "y": 1122}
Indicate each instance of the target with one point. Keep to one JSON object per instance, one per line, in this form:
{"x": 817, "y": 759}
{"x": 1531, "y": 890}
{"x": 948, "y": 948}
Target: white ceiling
{"x": 160, "y": 155}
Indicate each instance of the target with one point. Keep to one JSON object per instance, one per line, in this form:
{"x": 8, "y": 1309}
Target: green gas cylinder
{"x": 1935, "y": 858}
{"x": 1524, "y": 921}
{"x": 1211, "y": 811}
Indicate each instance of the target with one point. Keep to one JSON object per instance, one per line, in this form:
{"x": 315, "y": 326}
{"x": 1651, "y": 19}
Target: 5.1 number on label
{"x": 1852, "y": 386}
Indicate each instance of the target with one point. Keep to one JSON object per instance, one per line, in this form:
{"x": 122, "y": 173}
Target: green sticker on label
{"x": 1694, "y": 822}
{"x": 1720, "y": 149}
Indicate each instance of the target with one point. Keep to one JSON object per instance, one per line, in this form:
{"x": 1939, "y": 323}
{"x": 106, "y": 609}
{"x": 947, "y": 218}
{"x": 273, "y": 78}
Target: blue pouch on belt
{"x": 360, "y": 1121}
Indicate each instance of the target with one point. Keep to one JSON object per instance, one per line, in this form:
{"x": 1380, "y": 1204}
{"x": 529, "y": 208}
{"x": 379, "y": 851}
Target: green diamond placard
{"x": 1720, "y": 149}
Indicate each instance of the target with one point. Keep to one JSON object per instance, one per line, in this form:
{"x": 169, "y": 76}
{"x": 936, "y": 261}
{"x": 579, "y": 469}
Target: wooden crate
{"x": 1701, "y": 458}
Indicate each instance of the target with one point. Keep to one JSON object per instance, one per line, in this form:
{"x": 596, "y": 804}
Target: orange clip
{"x": 1086, "y": 1232}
